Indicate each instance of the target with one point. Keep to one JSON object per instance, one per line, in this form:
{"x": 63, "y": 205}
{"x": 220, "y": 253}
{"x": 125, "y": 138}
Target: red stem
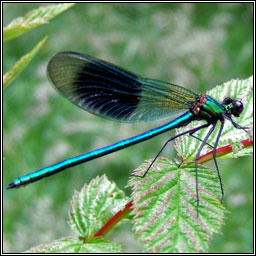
{"x": 222, "y": 151}
{"x": 128, "y": 207}
{"x": 114, "y": 220}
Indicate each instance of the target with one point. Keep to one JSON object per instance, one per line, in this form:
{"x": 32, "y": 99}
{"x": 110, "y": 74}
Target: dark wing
{"x": 106, "y": 90}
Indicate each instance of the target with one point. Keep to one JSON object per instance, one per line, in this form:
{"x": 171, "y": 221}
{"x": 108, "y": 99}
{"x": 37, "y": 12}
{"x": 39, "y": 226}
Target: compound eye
{"x": 227, "y": 101}
{"x": 237, "y": 108}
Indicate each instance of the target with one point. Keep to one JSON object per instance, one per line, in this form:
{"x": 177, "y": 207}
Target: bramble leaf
{"x": 165, "y": 210}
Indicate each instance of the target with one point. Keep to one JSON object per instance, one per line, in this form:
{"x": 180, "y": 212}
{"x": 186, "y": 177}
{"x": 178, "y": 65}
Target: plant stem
{"x": 222, "y": 151}
{"x": 114, "y": 220}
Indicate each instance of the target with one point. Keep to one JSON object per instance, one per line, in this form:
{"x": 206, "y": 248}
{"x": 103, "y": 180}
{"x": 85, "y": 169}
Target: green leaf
{"x": 33, "y": 19}
{"x": 187, "y": 146}
{"x": 21, "y": 64}
{"x": 73, "y": 245}
{"x": 164, "y": 203}
{"x": 95, "y": 205}
{"x": 91, "y": 209}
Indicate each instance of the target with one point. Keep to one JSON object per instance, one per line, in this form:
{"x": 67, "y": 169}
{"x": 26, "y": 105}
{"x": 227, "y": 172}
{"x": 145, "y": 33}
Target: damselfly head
{"x": 235, "y": 106}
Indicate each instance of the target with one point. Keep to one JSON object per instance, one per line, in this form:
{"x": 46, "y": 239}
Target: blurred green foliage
{"x": 194, "y": 45}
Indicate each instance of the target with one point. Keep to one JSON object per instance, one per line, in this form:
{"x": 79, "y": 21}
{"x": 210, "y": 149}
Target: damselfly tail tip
{"x": 11, "y": 185}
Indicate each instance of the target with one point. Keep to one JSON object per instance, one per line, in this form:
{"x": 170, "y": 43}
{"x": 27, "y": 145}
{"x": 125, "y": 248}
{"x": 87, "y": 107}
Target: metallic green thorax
{"x": 211, "y": 109}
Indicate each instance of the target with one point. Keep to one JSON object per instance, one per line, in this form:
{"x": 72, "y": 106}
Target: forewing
{"x": 111, "y": 92}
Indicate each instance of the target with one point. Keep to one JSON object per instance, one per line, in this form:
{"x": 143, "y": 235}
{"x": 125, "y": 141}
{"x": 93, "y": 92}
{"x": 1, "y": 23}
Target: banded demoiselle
{"x": 111, "y": 92}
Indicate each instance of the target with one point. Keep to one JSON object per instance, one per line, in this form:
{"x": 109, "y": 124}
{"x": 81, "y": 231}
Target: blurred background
{"x": 194, "y": 45}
